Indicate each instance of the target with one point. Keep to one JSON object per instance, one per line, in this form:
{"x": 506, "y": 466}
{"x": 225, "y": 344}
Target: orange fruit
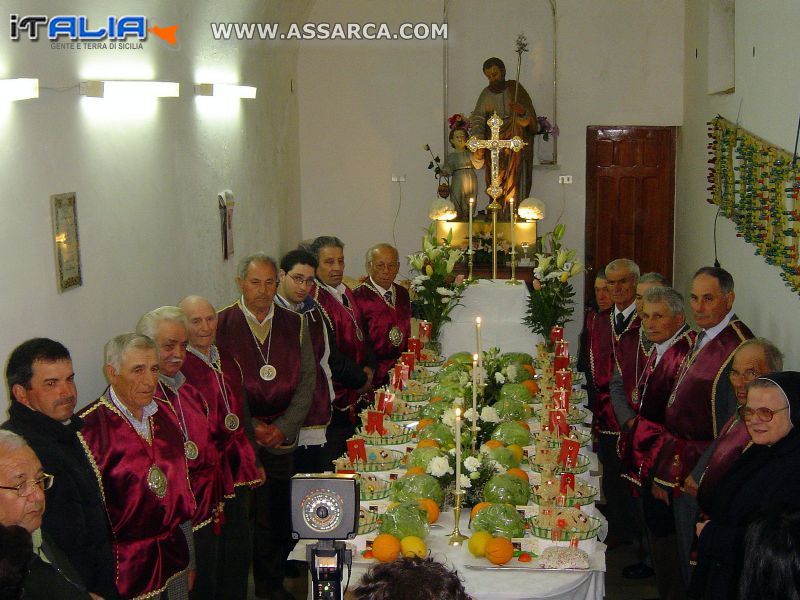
{"x": 531, "y": 386}
{"x": 518, "y": 473}
{"x": 423, "y": 423}
{"x": 415, "y": 471}
{"x": 386, "y": 547}
{"x": 428, "y": 444}
{"x": 478, "y": 508}
{"x": 435, "y": 399}
{"x": 517, "y": 451}
{"x": 524, "y": 424}
{"x": 430, "y": 507}
{"x": 529, "y": 369}
{"x": 493, "y": 444}
{"x": 525, "y": 557}
{"x": 499, "y": 550}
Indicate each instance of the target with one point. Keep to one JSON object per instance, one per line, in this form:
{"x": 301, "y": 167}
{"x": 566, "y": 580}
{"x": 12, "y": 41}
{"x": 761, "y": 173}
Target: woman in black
{"x": 766, "y": 477}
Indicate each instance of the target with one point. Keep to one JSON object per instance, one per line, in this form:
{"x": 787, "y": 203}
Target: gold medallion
{"x": 157, "y": 481}
{"x": 267, "y": 372}
{"x": 359, "y": 335}
{"x": 231, "y": 422}
{"x": 191, "y": 449}
{"x": 395, "y": 336}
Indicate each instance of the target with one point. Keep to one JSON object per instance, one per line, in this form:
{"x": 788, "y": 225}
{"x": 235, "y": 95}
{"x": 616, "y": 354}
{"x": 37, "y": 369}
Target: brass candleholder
{"x": 457, "y": 538}
{"x": 493, "y": 208}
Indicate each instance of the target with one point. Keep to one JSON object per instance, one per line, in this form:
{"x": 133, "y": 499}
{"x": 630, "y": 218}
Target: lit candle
{"x": 458, "y": 450}
{"x": 471, "y": 203}
{"x": 478, "y": 346}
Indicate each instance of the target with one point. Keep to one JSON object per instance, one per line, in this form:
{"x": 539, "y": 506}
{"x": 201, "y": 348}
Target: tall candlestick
{"x": 470, "y": 251}
{"x": 474, "y": 401}
{"x": 458, "y": 450}
{"x": 513, "y": 280}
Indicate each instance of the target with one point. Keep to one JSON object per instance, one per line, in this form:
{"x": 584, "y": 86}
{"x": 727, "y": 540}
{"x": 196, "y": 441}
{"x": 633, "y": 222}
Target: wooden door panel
{"x": 630, "y": 192}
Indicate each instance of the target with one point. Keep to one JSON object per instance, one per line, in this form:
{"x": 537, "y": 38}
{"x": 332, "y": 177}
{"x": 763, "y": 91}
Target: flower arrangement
{"x": 550, "y": 302}
{"x": 546, "y": 128}
{"x": 435, "y": 291}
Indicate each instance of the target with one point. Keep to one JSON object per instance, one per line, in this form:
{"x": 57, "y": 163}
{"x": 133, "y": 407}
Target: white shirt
{"x": 625, "y": 313}
{"x": 338, "y": 291}
{"x": 252, "y": 317}
{"x": 664, "y": 346}
{"x": 714, "y": 331}
{"x": 382, "y": 291}
{"x": 142, "y": 427}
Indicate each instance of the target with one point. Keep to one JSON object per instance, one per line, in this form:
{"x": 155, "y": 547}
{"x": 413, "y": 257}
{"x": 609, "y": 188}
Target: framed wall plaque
{"x": 65, "y": 237}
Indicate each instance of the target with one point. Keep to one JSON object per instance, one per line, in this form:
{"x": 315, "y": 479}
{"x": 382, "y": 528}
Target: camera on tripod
{"x": 325, "y": 508}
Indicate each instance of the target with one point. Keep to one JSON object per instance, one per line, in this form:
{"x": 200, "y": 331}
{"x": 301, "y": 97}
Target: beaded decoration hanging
{"x": 757, "y": 187}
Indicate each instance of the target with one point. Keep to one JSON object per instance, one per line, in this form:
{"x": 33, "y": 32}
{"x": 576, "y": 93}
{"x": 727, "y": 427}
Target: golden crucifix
{"x": 495, "y": 144}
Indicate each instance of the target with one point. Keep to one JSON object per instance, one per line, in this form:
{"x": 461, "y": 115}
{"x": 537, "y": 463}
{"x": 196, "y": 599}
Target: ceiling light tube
{"x": 225, "y": 90}
{"x": 130, "y": 89}
{"x": 19, "y": 89}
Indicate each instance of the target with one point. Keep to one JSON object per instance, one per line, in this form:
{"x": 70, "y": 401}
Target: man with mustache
{"x": 22, "y": 501}
{"x": 136, "y": 446}
{"x": 41, "y": 384}
{"x": 273, "y": 347}
{"x": 513, "y": 105}
{"x": 342, "y": 310}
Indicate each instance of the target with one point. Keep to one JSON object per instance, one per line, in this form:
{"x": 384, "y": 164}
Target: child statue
{"x": 460, "y": 166}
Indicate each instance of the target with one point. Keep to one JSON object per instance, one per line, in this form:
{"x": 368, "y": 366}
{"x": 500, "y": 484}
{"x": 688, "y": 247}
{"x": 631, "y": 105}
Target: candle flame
{"x": 478, "y": 321}
{"x": 458, "y": 413}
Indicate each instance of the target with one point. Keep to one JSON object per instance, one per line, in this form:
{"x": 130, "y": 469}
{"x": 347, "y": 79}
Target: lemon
{"x": 477, "y": 543}
{"x": 516, "y": 450}
{"x": 411, "y": 546}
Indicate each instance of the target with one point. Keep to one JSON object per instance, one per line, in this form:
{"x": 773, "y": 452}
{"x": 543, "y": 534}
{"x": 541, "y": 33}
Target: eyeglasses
{"x": 300, "y": 280}
{"x": 26, "y": 488}
{"x": 748, "y": 375}
{"x": 764, "y": 414}
{"x": 386, "y": 266}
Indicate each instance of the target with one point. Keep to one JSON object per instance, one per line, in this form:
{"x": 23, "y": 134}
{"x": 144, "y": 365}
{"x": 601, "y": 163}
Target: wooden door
{"x": 630, "y": 198}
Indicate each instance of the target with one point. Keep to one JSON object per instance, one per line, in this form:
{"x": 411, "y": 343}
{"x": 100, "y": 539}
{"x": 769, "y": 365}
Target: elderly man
{"x": 701, "y": 401}
{"x": 754, "y": 358}
{"x": 386, "y": 308}
{"x": 41, "y": 384}
{"x": 218, "y": 375}
{"x": 204, "y": 435}
{"x": 602, "y": 302}
{"x": 273, "y": 347}
{"x": 608, "y": 350}
{"x": 22, "y": 504}
{"x": 137, "y": 448}
{"x": 345, "y": 319}
{"x": 664, "y": 324}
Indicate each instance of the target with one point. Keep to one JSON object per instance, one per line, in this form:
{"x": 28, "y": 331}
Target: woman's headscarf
{"x": 789, "y": 384}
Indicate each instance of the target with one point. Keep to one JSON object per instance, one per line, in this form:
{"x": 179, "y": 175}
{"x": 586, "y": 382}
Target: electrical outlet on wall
{"x": 564, "y": 179}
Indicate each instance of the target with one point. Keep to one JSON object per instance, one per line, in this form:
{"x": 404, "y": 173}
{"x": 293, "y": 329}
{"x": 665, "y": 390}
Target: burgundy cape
{"x": 268, "y": 399}
{"x": 319, "y": 414}
{"x": 346, "y": 323}
{"x": 602, "y": 359}
{"x": 733, "y": 440}
{"x": 148, "y": 545}
{"x": 236, "y": 447}
{"x": 208, "y": 473}
{"x": 630, "y": 357}
{"x": 380, "y": 318}
{"x": 690, "y": 418}
{"x": 645, "y": 438}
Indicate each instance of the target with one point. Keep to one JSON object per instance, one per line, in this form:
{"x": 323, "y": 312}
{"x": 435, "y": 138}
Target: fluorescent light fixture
{"x": 225, "y": 90}
{"x": 130, "y": 89}
{"x": 19, "y": 89}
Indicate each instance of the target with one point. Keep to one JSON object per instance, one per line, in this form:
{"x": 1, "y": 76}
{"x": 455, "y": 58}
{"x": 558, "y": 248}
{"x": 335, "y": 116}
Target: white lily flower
{"x": 561, "y": 258}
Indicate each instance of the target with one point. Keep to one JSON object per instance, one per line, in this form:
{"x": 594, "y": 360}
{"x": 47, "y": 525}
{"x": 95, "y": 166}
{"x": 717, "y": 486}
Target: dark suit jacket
{"x": 56, "y": 579}
{"x": 75, "y": 518}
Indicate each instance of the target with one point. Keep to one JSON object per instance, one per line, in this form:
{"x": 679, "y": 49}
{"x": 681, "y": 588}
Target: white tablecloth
{"x": 501, "y": 308}
{"x": 497, "y": 584}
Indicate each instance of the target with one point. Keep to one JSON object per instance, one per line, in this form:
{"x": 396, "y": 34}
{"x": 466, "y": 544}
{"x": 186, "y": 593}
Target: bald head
{"x": 383, "y": 264}
{"x": 202, "y": 319}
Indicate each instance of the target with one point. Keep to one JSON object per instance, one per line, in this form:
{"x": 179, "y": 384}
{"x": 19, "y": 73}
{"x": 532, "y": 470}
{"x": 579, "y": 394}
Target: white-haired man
{"x": 204, "y": 436}
{"x": 137, "y": 447}
{"x": 218, "y": 375}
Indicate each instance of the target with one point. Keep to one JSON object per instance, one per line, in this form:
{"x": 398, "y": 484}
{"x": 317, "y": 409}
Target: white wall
{"x": 146, "y": 178}
{"x": 366, "y": 109}
{"x": 768, "y": 89}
